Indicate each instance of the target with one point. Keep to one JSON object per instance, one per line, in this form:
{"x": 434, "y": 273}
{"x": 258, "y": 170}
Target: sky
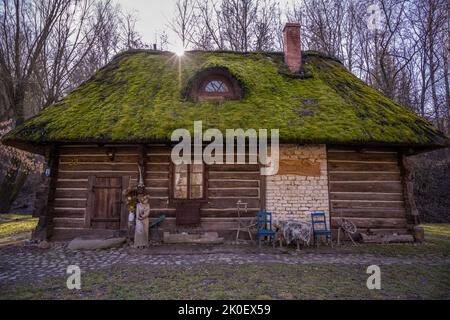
{"x": 154, "y": 16}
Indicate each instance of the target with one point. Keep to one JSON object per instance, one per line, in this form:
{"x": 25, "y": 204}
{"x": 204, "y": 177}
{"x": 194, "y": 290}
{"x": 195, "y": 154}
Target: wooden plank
{"x": 158, "y": 158}
{"x": 366, "y": 196}
{"x": 68, "y": 222}
{"x": 107, "y": 166}
{"x": 362, "y": 149}
{"x": 371, "y": 176}
{"x": 152, "y": 183}
{"x": 77, "y": 159}
{"x": 158, "y": 192}
{"x": 358, "y": 156}
{"x": 67, "y": 193}
{"x": 368, "y": 213}
{"x": 364, "y": 223}
{"x": 230, "y": 203}
{"x": 359, "y": 166}
{"x": 234, "y": 167}
{"x": 68, "y": 212}
{"x": 72, "y": 183}
{"x": 242, "y": 192}
{"x": 95, "y": 150}
{"x": 365, "y": 204}
{"x": 86, "y": 174}
{"x": 150, "y": 167}
{"x": 224, "y": 213}
{"x": 233, "y": 184}
{"x": 156, "y": 175}
{"x": 234, "y": 175}
{"x": 158, "y": 149}
{"x": 70, "y": 203}
{"x": 366, "y": 186}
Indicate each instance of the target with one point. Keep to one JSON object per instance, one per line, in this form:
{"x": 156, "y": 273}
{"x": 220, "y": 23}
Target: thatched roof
{"x": 141, "y": 97}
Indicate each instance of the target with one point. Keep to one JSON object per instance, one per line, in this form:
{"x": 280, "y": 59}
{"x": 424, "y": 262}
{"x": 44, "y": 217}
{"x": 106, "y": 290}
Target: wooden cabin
{"x": 344, "y": 146}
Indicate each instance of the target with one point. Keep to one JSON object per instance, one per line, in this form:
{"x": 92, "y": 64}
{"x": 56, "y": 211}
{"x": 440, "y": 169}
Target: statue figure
{"x": 142, "y": 221}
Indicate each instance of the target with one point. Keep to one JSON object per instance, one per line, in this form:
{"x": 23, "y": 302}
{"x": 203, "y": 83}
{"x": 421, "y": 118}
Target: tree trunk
{"x": 11, "y": 186}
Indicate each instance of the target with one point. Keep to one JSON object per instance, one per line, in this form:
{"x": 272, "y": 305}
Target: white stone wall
{"x": 294, "y": 196}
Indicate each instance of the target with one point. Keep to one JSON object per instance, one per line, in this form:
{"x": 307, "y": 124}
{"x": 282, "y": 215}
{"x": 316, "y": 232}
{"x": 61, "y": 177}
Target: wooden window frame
{"x": 174, "y": 200}
{"x": 196, "y": 87}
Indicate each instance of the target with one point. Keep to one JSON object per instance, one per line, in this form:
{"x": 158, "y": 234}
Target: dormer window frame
{"x": 204, "y": 94}
{"x": 197, "y": 88}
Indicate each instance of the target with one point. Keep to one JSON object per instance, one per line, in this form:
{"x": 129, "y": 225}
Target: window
{"x": 188, "y": 181}
{"x": 216, "y": 86}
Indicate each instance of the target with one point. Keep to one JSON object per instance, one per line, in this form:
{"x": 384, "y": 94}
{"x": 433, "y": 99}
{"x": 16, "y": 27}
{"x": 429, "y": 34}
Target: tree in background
{"x": 48, "y": 47}
{"x": 406, "y": 56}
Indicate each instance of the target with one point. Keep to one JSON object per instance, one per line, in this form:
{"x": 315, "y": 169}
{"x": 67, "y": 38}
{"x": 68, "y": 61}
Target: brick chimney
{"x": 292, "y": 50}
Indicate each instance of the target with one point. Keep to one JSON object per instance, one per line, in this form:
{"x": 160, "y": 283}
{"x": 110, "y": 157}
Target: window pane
{"x": 180, "y": 192}
{"x": 196, "y": 179}
{"x": 196, "y": 192}
{"x": 216, "y": 86}
{"x": 180, "y": 183}
{"x": 197, "y": 168}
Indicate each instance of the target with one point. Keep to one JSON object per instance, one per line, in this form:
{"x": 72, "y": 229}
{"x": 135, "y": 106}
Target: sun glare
{"x": 179, "y": 52}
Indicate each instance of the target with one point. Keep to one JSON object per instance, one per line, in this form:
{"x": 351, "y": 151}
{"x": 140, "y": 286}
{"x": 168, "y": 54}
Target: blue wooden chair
{"x": 320, "y": 228}
{"x": 264, "y": 226}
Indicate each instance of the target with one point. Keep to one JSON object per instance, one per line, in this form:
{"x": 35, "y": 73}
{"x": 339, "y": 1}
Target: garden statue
{"x": 142, "y": 221}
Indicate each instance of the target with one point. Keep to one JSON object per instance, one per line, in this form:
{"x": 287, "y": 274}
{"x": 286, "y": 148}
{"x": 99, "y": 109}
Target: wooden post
{"x": 142, "y": 151}
{"x": 412, "y": 213}
{"x": 44, "y": 228}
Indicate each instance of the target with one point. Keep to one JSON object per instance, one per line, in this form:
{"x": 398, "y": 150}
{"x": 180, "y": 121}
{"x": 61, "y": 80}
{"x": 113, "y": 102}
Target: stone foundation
{"x": 296, "y": 196}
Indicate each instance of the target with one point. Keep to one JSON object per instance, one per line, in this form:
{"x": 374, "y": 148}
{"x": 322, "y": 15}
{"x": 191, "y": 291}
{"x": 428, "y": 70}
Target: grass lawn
{"x": 279, "y": 281}
{"x": 15, "y": 224}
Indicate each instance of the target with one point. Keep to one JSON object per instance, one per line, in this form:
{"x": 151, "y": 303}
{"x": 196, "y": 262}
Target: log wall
{"x": 366, "y": 187}
{"x": 226, "y": 184}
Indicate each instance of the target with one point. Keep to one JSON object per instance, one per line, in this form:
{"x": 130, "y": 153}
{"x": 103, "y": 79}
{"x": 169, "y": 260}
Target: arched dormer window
{"x": 215, "y": 84}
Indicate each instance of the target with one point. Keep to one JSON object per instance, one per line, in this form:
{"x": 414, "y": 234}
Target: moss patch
{"x": 139, "y": 96}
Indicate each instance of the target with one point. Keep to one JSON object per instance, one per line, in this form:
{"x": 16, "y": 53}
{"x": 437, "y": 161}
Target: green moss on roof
{"x": 139, "y": 97}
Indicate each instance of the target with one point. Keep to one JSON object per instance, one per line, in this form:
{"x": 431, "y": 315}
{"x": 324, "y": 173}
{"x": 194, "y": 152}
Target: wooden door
{"x": 106, "y": 203}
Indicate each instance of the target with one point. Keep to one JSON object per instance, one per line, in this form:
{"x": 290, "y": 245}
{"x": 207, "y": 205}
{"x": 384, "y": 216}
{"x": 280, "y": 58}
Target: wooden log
{"x": 359, "y": 166}
{"x": 233, "y": 184}
{"x": 362, "y": 157}
{"x": 366, "y": 196}
{"x": 95, "y": 150}
{"x": 97, "y": 158}
{"x": 234, "y": 175}
{"x": 368, "y": 213}
{"x": 366, "y": 186}
{"x": 70, "y": 203}
{"x": 72, "y": 183}
{"x": 353, "y": 204}
{"x": 234, "y": 167}
{"x": 242, "y": 192}
{"x": 107, "y": 166}
{"x": 365, "y": 176}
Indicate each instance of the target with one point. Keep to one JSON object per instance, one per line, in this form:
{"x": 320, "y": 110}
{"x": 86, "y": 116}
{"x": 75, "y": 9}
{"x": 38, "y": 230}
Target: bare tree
{"x": 184, "y": 21}
{"x": 24, "y": 29}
